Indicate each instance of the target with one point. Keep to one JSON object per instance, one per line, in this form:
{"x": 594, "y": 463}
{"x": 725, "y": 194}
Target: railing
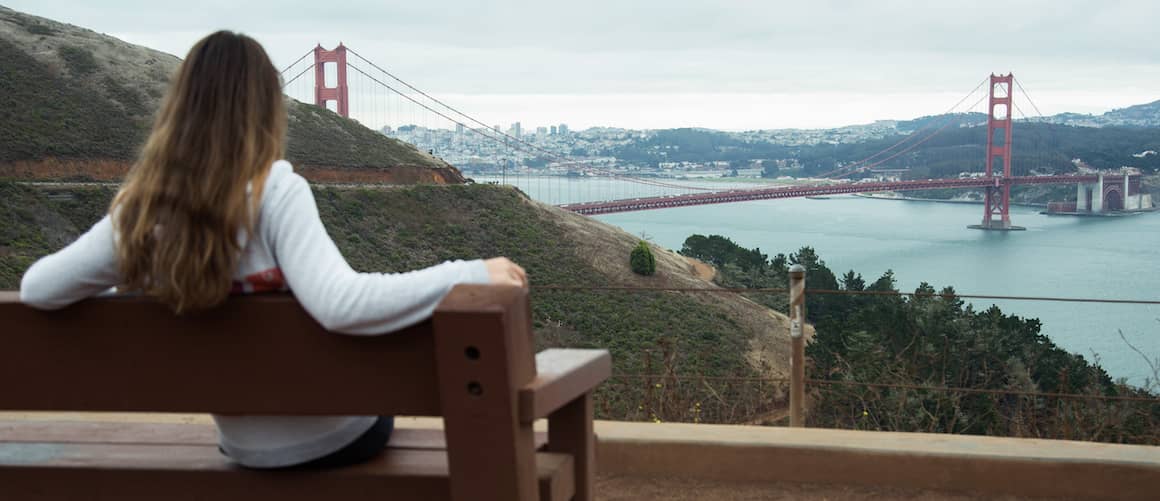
{"x": 763, "y": 401}
{"x": 660, "y": 390}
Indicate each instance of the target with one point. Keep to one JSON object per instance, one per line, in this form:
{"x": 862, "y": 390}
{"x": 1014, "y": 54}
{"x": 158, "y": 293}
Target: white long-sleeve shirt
{"x": 289, "y": 249}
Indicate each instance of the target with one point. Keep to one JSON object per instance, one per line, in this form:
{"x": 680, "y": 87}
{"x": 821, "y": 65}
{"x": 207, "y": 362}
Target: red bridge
{"x": 391, "y": 102}
{"x": 841, "y": 188}
{"x": 1110, "y": 191}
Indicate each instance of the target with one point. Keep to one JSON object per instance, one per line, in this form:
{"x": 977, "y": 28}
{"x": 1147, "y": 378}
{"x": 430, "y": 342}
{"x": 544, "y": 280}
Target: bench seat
{"x": 50, "y": 460}
{"x": 472, "y": 364}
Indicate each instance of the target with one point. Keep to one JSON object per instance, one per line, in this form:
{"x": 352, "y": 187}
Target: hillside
{"x": 1140, "y": 115}
{"x": 75, "y": 104}
{"x": 1038, "y": 148}
{"x": 403, "y": 228}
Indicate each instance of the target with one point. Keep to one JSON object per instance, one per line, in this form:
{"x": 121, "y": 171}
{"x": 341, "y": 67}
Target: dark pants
{"x": 366, "y": 446}
{"x": 362, "y": 449}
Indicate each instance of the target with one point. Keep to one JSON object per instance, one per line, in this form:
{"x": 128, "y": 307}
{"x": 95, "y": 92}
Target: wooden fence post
{"x": 797, "y": 313}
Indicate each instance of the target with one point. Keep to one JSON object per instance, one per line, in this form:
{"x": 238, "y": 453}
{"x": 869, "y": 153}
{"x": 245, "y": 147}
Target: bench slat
{"x": 563, "y": 375}
{"x": 188, "y": 434}
{"x": 260, "y": 354}
{"x": 105, "y": 432}
{"x": 43, "y": 471}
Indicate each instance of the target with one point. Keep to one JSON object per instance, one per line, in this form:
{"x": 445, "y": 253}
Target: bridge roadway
{"x": 731, "y": 196}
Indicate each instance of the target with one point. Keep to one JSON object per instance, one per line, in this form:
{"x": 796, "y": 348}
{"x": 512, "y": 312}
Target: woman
{"x": 209, "y": 209}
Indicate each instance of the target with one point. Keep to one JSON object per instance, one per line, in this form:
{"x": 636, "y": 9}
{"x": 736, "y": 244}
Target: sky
{"x": 725, "y": 64}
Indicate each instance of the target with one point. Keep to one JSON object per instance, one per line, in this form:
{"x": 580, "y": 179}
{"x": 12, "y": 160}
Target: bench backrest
{"x": 262, "y": 354}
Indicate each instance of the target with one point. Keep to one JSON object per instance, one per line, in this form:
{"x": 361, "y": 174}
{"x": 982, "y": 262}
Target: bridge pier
{"x": 340, "y": 94}
{"x": 997, "y": 197}
{"x": 1093, "y": 197}
{"x": 1108, "y": 195}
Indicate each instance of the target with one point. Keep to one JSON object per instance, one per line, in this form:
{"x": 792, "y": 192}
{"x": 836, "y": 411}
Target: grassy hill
{"x": 402, "y": 228}
{"x": 77, "y": 104}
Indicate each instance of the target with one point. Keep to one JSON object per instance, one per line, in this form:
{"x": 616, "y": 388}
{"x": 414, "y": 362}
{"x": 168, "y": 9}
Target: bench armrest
{"x": 562, "y": 376}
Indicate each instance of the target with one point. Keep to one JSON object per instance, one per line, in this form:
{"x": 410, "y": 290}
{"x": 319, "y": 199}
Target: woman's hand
{"x": 504, "y": 272}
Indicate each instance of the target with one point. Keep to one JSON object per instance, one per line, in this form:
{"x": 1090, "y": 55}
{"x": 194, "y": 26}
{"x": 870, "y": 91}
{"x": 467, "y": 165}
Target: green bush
{"x": 80, "y": 61}
{"x": 641, "y": 259}
{"x": 39, "y": 29}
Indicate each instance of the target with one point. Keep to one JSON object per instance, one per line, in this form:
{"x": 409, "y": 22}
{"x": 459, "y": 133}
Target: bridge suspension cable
{"x": 378, "y": 78}
{"x": 908, "y": 148}
{"x": 303, "y": 72}
{"x": 304, "y": 56}
{"x": 495, "y": 135}
{"x": 480, "y": 132}
{"x": 858, "y": 166}
{"x": 1028, "y": 96}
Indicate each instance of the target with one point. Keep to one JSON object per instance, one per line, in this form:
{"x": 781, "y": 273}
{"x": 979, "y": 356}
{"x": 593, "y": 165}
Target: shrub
{"x": 80, "y": 61}
{"x": 39, "y": 29}
{"x": 641, "y": 259}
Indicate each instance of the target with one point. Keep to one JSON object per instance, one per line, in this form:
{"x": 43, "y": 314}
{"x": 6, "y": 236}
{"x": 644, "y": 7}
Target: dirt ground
{"x": 623, "y": 488}
{"x": 702, "y": 270}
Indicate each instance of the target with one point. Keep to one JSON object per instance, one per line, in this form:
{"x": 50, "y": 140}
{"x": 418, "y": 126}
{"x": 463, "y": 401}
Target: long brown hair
{"x": 183, "y": 206}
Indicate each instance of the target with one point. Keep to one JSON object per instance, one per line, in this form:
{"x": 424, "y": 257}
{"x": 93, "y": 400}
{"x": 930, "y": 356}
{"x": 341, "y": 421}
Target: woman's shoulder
{"x": 281, "y": 172}
{"x": 281, "y": 181}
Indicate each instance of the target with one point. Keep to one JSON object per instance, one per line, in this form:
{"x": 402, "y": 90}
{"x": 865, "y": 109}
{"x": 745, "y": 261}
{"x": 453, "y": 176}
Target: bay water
{"x": 1057, "y": 256}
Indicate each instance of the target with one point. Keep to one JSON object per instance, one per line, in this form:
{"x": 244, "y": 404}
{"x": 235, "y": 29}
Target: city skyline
{"x": 727, "y": 66}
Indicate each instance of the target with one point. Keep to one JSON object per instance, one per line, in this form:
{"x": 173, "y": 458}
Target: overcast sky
{"x": 671, "y": 63}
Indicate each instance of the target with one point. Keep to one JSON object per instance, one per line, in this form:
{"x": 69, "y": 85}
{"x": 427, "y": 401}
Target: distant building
{"x": 541, "y": 131}
{"x": 517, "y": 130}
{"x": 563, "y": 129}
{"x": 553, "y": 130}
{"x": 459, "y": 129}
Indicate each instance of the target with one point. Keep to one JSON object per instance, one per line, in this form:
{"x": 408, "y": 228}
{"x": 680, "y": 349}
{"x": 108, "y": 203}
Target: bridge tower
{"x": 322, "y": 93}
{"x": 997, "y": 197}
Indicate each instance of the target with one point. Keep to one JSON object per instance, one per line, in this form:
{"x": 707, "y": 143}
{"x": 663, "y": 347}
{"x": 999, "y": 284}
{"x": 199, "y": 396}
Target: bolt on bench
{"x": 472, "y": 364}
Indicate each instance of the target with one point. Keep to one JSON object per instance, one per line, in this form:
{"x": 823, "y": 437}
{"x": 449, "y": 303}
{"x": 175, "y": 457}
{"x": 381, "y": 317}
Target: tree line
{"x": 910, "y": 351}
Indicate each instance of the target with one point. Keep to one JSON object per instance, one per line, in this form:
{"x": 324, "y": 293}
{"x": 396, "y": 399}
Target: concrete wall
{"x": 1142, "y": 201}
{"x": 987, "y": 465}
{"x": 1098, "y": 196}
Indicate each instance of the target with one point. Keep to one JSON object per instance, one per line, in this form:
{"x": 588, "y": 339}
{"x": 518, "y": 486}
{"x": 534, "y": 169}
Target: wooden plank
{"x": 259, "y": 354}
{"x": 481, "y": 366}
{"x": 51, "y": 471}
{"x": 514, "y": 306}
{"x": 188, "y": 434}
{"x": 107, "y": 432}
{"x": 562, "y": 376}
{"x": 205, "y": 362}
{"x": 556, "y": 477}
{"x": 570, "y": 432}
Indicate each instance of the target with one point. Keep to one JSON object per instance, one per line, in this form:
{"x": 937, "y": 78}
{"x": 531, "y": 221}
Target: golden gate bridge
{"x": 379, "y": 93}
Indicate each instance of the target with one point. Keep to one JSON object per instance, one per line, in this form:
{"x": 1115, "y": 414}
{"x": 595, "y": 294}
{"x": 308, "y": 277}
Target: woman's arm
{"x": 84, "y": 269}
{"x": 338, "y": 297}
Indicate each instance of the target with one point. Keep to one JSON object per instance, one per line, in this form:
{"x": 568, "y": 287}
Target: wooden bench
{"x": 472, "y": 364}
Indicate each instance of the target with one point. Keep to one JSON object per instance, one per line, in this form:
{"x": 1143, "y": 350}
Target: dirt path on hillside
{"x": 702, "y": 270}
